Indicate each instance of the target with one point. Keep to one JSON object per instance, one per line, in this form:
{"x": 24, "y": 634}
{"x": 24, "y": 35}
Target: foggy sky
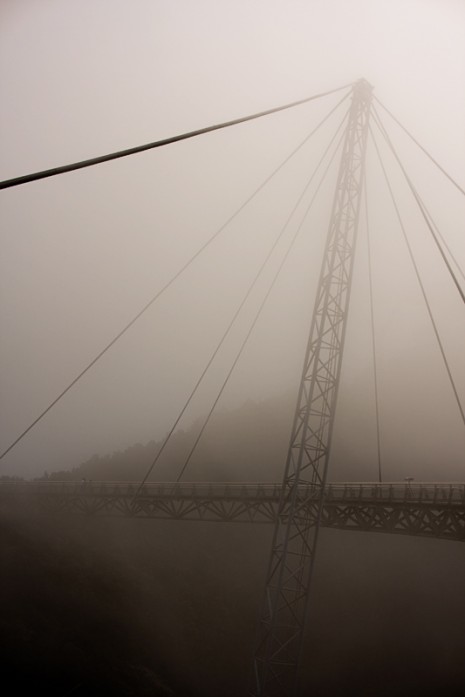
{"x": 82, "y": 253}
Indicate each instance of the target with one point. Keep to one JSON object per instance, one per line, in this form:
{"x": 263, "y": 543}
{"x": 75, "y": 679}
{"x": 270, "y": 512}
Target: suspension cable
{"x": 421, "y": 147}
{"x": 25, "y": 179}
{"x": 244, "y": 300}
{"x": 441, "y": 236}
{"x": 172, "y": 280}
{"x": 418, "y": 200}
{"x": 373, "y": 336}
{"x": 257, "y": 316}
{"x": 417, "y": 273}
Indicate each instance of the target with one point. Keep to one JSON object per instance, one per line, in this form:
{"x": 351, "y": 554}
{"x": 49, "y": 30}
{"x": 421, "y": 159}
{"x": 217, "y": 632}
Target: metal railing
{"x": 427, "y": 492}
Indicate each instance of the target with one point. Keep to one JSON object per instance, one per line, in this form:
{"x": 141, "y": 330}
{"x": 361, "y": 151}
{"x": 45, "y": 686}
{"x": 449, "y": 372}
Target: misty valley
{"x": 94, "y": 606}
{"x": 233, "y": 386}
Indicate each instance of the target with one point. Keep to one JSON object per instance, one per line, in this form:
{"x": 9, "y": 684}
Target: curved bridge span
{"x": 423, "y": 509}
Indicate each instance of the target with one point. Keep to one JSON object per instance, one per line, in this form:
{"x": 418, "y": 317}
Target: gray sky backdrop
{"x": 83, "y": 252}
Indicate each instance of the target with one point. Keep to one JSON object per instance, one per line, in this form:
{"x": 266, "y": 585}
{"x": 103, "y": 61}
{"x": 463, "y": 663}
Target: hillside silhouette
{"x": 247, "y": 443}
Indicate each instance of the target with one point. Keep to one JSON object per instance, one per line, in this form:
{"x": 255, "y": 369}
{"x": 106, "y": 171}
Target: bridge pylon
{"x": 281, "y": 625}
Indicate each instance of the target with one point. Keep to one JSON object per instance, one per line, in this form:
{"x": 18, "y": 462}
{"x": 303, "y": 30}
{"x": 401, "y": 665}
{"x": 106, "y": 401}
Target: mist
{"x": 85, "y": 251}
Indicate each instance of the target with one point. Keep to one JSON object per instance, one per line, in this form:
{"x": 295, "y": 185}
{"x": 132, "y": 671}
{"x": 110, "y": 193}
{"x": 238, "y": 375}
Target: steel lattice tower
{"x": 282, "y": 620}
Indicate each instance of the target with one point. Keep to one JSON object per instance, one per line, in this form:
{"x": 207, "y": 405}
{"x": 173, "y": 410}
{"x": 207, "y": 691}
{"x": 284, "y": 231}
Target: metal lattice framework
{"x": 421, "y": 509}
{"x": 287, "y": 585}
{"x": 304, "y": 502}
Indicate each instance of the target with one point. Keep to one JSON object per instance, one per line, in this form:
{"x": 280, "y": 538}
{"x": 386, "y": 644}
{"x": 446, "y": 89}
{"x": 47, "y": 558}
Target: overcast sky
{"x": 82, "y": 253}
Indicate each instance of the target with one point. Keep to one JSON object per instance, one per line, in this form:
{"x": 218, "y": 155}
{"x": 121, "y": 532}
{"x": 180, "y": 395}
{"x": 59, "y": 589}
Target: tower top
{"x": 363, "y": 89}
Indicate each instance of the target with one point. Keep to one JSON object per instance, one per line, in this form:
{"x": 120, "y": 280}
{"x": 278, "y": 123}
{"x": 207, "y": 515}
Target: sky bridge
{"x": 305, "y": 500}
{"x": 404, "y": 508}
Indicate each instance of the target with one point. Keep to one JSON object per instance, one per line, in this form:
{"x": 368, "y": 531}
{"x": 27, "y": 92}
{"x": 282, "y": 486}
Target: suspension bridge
{"x": 305, "y": 500}
{"x": 430, "y": 510}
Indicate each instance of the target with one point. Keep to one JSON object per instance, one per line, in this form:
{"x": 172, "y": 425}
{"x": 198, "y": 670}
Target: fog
{"x": 82, "y": 253}
{"x": 165, "y": 608}
{"x": 98, "y": 606}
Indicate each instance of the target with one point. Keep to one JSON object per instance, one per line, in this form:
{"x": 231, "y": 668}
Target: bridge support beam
{"x": 281, "y": 626}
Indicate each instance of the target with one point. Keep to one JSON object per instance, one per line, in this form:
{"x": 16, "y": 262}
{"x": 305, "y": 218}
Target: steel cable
{"x": 419, "y": 202}
{"x": 421, "y": 147}
{"x": 373, "y": 337}
{"x": 242, "y": 303}
{"x": 255, "y": 320}
{"x": 172, "y": 280}
{"x": 54, "y": 171}
{"x": 417, "y": 273}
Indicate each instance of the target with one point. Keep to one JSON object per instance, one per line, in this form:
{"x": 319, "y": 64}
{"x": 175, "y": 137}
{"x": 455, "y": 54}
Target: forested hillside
{"x": 248, "y": 443}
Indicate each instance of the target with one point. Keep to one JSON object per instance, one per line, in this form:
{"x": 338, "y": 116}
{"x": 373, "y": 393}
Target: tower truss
{"x": 281, "y": 625}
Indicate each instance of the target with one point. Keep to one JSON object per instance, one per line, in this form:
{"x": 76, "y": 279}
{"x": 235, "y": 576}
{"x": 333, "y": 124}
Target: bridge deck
{"x": 427, "y": 509}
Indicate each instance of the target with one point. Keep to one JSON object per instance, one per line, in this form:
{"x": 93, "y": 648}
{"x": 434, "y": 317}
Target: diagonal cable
{"x": 439, "y": 234}
{"x": 27, "y": 178}
{"x": 421, "y": 147}
{"x": 255, "y": 320}
{"x": 171, "y": 281}
{"x": 373, "y": 336}
{"x": 241, "y": 305}
{"x": 418, "y": 200}
{"x": 417, "y": 273}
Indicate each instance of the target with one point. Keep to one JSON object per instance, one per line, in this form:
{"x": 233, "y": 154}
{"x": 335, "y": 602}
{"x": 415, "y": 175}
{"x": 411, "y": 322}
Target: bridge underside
{"x": 428, "y": 510}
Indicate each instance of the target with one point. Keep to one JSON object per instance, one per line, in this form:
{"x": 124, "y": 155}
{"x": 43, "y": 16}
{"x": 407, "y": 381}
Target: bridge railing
{"x": 427, "y": 492}
{"x": 188, "y": 490}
